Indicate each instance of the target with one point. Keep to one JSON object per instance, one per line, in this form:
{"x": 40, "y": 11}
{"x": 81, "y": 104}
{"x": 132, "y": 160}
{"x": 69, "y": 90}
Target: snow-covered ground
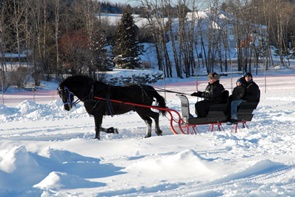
{"x": 46, "y": 151}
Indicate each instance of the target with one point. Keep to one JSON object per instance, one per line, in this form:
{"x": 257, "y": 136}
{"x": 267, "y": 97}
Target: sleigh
{"x": 102, "y": 99}
{"x": 187, "y": 123}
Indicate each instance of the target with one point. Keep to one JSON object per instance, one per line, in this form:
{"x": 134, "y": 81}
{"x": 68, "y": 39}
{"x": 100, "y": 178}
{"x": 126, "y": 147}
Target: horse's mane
{"x": 81, "y": 77}
{"x": 77, "y": 79}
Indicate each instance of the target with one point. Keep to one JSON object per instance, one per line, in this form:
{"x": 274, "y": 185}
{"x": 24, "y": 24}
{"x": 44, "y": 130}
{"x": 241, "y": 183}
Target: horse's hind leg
{"x": 155, "y": 116}
{"x": 148, "y": 120}
{"x": 148, "y": 123}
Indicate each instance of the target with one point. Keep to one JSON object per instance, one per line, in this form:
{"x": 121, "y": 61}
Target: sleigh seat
{"x": 217, "y": 113}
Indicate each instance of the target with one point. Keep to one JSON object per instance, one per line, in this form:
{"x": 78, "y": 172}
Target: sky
{"x": 201, "y": 5}
{"x": 131, "y": 2}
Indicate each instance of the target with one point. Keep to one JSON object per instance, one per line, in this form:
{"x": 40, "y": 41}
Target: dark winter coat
{"x": 252, "y": 92}
{"x": 238, "y": 92}
{"x": 213, "y": 92}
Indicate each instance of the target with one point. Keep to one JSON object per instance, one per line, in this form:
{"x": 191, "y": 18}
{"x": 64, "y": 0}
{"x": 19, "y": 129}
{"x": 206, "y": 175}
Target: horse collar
{"x": 91, "y": 93}
{"x": 90, "y": 96}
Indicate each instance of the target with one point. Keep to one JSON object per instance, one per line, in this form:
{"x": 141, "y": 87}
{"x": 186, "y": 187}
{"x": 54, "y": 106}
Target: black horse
{"x": 98, "y": 99}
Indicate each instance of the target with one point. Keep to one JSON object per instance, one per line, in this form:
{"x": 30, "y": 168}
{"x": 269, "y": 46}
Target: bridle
{"x": 67, "y": 97}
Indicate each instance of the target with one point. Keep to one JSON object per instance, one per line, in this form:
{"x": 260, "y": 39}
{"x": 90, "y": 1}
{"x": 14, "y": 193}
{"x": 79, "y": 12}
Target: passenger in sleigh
{"x": 235, "y": 99}
{"x": 252, "y": 94}
{"x": 212, "y": 95}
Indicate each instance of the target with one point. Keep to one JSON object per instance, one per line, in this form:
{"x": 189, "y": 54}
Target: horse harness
{"x": 66, "y": 93}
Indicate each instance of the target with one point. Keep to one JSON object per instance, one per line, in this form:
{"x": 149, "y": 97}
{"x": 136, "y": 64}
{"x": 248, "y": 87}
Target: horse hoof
{"x": 147, "y": 136}
{"x": 112, "y": 130}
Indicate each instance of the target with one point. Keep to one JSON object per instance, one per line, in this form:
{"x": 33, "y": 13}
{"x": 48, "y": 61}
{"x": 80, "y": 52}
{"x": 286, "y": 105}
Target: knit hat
{"x": 213, "y": 75}
{"x": 248, "y": 74}
{"x": 240, "y": 80}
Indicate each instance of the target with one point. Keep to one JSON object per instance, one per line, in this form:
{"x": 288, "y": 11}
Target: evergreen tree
{"x": 102, "y": 58}
{"x": 126, "y": 47}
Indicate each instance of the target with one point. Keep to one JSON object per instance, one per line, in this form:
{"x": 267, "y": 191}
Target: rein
{"x": 171, "y": 91}
{"x": 89, "y": 96}
{"x": 130, "y": 103}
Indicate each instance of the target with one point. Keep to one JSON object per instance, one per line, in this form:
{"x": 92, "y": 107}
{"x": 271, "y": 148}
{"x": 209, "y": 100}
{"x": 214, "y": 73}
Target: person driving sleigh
{"x": 211, "y": 95}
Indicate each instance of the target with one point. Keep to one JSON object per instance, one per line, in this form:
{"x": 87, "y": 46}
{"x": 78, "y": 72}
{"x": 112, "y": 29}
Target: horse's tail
{"x": 160, "y": 100}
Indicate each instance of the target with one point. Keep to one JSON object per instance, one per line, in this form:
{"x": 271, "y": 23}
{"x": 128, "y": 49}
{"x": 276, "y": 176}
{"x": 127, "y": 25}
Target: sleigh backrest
{"x": 184, "y": 107}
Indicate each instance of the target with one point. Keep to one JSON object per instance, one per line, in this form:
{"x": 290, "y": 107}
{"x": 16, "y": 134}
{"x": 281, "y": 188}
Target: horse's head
{"x": 67, "y": 97}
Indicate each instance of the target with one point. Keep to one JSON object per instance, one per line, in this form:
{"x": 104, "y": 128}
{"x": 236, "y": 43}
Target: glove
{"x": 194, "y": 94}
{"x": 198, "y": 94}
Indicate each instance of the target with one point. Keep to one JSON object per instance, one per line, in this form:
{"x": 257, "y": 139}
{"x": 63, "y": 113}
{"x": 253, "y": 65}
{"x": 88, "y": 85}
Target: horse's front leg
{"x": 98, "y": 122}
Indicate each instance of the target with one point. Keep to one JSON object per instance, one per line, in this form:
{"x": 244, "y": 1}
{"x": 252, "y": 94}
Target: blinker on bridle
{"x": 68, "y": 96}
